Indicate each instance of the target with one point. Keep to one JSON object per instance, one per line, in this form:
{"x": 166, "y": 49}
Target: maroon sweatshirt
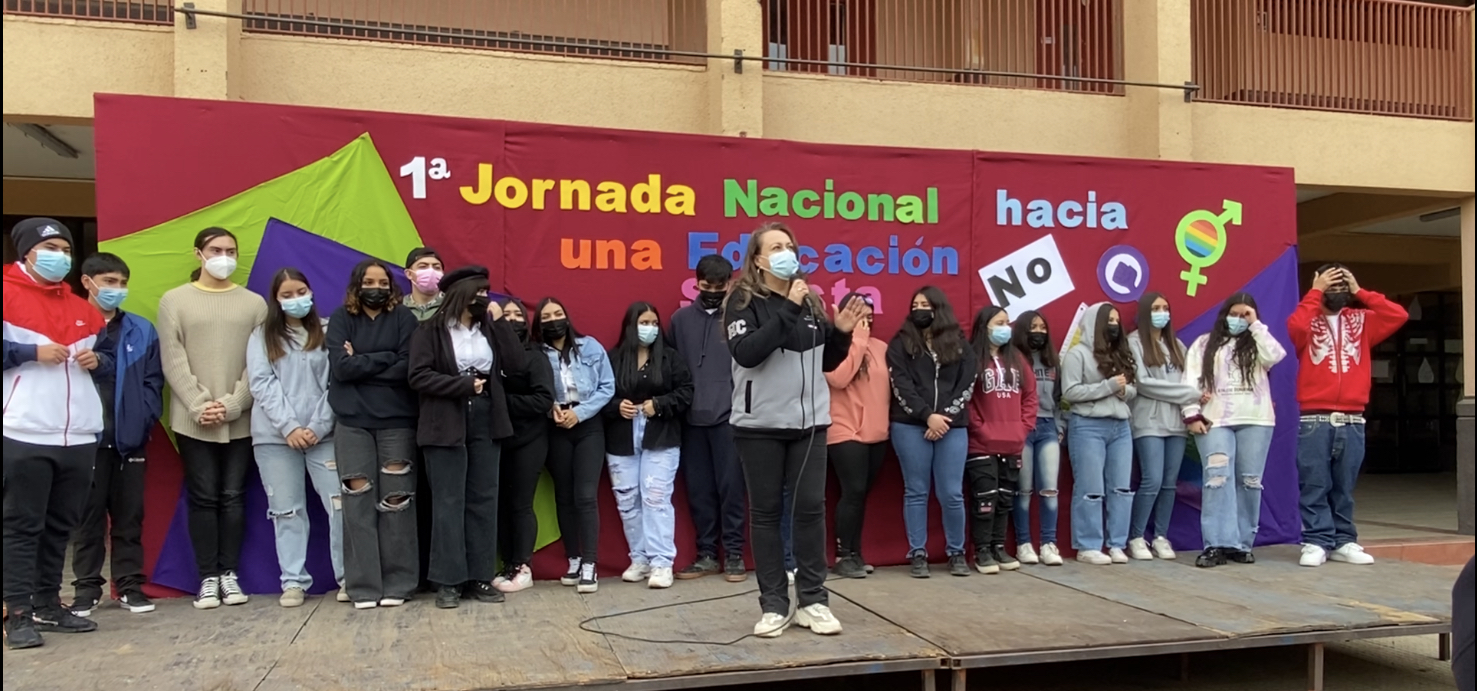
{"x": 1002, "y": 410}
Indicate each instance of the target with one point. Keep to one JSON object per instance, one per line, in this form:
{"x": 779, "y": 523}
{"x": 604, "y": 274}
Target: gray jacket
{"x": 1083, "y": 386}
{"x": 781, "y": 353}
{"x": 1161, "y": 392}
{"x": 289, "y": 393}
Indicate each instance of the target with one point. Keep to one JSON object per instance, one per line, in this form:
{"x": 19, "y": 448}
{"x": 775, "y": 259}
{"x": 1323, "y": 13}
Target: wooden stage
{"x": 939, "y": 628}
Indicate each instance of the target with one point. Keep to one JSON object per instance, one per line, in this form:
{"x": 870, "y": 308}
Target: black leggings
{"x": 215, "y": 484}
{"x": 773, "y": 469}
{"x": 992, "y": 484}
{"x": 522, "y": 466}
{"x": 576, "y": 459}
{"x": 856, "y": 466}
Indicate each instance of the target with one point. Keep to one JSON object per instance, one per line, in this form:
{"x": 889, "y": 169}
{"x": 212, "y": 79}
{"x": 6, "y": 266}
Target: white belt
{"x": 1336, "y": 419}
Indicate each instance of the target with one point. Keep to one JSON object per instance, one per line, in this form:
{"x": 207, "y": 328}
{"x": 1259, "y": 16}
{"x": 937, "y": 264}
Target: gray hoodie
{"x": 1161, "y": 392}
{"x": 289, "y": 393}
{"x": 1083, "y": 386}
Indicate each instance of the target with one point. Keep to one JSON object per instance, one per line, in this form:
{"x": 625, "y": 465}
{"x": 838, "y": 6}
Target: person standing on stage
{"x": 1098, "y": 381}
{"x": 530, "y": 396}
{"x": 782, "y": 346}
{"x": 1002, "y": 413}
{"x": 1334, "y": 329}
{"x": 857, "y": 439}
{"x": 423, "y": 268}
{"x": 1041, "y": 457}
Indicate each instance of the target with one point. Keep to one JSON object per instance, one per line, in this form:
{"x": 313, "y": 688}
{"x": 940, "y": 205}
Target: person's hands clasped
{"x": 300, "y": 438}
{"x": 214, "y": 414}
{"x": 628, "y": 409}
{"x": 938, "y": 426}
{"x": 568, "y": 419}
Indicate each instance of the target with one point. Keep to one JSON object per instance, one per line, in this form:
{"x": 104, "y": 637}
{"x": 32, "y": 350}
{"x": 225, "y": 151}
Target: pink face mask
{"x": 428, "y": 280}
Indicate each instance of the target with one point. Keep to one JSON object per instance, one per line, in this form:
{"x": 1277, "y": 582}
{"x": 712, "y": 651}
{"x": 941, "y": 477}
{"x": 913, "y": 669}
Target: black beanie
{"x": 33, "y": 231}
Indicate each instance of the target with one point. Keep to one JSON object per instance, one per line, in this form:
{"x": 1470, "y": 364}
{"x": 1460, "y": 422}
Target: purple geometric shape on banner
{"x": 1276, "y": 291}
{"x": 326, "y": 263}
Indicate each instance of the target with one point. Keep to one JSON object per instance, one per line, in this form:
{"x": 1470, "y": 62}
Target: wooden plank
{"x": 1010, "y": 612}
{"x": 532, "y": 640}
{"x": 702, "y": 624}
{"x": 174, "y": 647}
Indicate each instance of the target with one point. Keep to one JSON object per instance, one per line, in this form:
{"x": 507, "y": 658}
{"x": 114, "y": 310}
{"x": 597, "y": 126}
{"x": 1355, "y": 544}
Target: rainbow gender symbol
{"x": 1201, "y": 239}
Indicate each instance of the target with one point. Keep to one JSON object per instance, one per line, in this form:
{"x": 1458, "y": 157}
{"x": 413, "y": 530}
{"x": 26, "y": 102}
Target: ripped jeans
{"x": 376, "y": 470}
{"x": 1101, "y": 451}
{"x": 643, "y": 494}
{"x": 283, "y": 470}
{"x": 1234, "y": 459}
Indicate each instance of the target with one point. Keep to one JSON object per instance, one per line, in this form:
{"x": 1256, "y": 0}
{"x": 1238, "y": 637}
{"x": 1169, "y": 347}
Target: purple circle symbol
{"x": 1123, "y": 273}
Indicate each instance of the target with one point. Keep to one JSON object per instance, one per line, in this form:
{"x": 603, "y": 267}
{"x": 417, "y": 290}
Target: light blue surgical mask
{"x": 1000, "y": 335}
{"x": 297, "y": 307}
{"x": 53, "y": 265}
{"x": 1236, "y": 325}
{"x": 108, "y": 299}
{"x": 1159, "y": 319}
{"x": 647, "y": 333}
{"x": 784, "y": 265}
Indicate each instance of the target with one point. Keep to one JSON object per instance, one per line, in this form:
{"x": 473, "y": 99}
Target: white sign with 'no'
{"x": 1029, "y": 278}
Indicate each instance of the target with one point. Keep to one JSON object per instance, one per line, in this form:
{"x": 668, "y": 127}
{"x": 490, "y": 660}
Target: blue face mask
{"x": 1159, "y": 319}
{"x": 297, "y": 307}
{"x": 647, "y": 333}
{"x": 53, "y": 265}
{"x": 110, "y": 298}
{"x": 1236, "y": 325}
{"x": 1000, "y": 335}
{"x": 784, "y": 264}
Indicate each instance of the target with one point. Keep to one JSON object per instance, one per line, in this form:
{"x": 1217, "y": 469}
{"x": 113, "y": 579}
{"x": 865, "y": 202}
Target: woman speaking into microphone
{"x": 782, "y": 346}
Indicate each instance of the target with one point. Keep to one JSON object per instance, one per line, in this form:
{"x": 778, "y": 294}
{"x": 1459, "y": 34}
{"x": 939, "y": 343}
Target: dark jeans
{"x": 772, "y": 466}
{"x": 115, "y": 509}
{"x": 521, "y": 468}
{"x": 423, "y": 517}
{"x": 576, "y": 460}
{"x": 1329, "y": 459}
{"x": 715, "y": 488}
{"x": 992, "y": 486}
{"x": 215, "y": 483}
{"x": 464, "y": 480}
{"x": 377, "y": 469}
{"x": 856, "y": 466}
{"x": 45, "y": 494}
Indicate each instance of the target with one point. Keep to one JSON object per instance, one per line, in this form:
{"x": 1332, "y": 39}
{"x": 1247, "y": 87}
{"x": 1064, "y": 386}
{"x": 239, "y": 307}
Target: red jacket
{"x": 1002, "y": 410}
{"x": 51, "y": 405}
{"x": 1333, "y": 367}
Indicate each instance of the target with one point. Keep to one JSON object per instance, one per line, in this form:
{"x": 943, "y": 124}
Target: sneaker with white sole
{"x": 209, "y": 595}
{"x": 818, "y": 619}
{"x": 231, "y": 592}
{"x": 342, "y": 595}
{"x": 83, "y": 605}
{"x": 572, "y": 576}
{"x": 1117, "y": 556}
{"x": 391, "y": 601}
{"x": 367, "y": 604}
{"x": 636, "y": 572}
{"x": 1050, "y": 555}
{"x": 661, "y": 577}
{"x": 521, "y": 579}
{"x": 1313, "y": 555}
{"x": 1162, "y": 548}
{"x": 1094, "y": 557}
{"x": 588, "y": 583}
{"x": 135, "y": 601}
{"x": 292, "y": 597}
{"x": 1027, "y": 554}
{"x": 1138, "y": 548}
{"x": 1351, "y": 553}
{"x": 790, "y": 576}
{"x": 771, "y": 625}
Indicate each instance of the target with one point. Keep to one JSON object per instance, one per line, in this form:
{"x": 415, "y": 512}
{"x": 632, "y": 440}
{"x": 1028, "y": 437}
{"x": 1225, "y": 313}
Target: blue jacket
{"x": 138, "y": 389}
{"x": 589, "y": 372}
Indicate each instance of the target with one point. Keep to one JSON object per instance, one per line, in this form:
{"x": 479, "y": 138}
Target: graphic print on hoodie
{"x": 1002, "y": 411}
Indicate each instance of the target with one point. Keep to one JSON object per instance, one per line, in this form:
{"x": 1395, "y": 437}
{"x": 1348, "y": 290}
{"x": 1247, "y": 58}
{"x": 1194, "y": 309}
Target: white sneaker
{"x": 1050, "y": 555}
{"x": 1139, "y": 549}
{"x": 367, "y": 604}
{"x": 572, "y": 576}
{"x": 818, "y": 619}
{"x": 1162, "y": 548}
{"x": 231, "y": 592}
{"x": 209, "y": 596}
{"x": 636, "y": 572}
{"x": 1351, "y": 553}
{"x": 661, "y": 577}
{"x": 1094, "y": 557}
{"x": 342, "y": 595}
{"x": 391, "y": 601}
{"x": 521, "y": 580}
{"x": 588, "y": 582}
{"x": 1027, "y": 554}
{"x": 292, "y": 597}
{"x": 1313, "y": 555}
{"x": 1117, "y": 556}
{"x": 771, "y": 625}
{"x": 790, "y": 575}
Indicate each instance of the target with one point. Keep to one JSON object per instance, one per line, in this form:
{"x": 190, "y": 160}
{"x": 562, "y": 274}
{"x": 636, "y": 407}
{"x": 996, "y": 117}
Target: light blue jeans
{"x": 942, "y": 463}
{"x": 1041, "y": 466}
{"x": 643, "y": 494}
{"x": 1231, "y": 510}
{"x": 1159, "y": 474}
{"x": 1101, "y": 450}
{"x": 283, "y": 470}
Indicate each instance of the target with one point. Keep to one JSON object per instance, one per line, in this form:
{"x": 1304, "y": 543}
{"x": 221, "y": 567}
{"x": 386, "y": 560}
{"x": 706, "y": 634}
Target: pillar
{"x": 1466, "y": 446}
{"x": 1157, "y": 49}
{"x": 735, "y": 100}
{"x": 206, "y": 56}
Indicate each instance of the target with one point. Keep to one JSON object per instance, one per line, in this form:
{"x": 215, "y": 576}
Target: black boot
{"x": 1241, "y": 556}
{"x": 1212, "y": 556}
{"x": 20, "y": 630}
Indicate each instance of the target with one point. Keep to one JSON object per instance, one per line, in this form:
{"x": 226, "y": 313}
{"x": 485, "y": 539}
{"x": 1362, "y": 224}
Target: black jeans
{"x": 715, "y": 489}
{"x": 115, "y": 509}
{"x": 576, "y": 459}
{"x": 423, "y": 517}
{"x": 521, "y": 468}
{"x": 377, "y": 469}
{"x": 45, "y": 493}
{"x": 773, "y": 467}
{"x": 992, "y": 486}
{"x": 856, "y": 466}
{"x": 215, "y": 482}
{"x": 464, "y": 480}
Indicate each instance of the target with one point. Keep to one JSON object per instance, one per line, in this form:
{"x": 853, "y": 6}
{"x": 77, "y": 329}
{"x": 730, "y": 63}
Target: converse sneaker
{"x": 1117, "y": 556}
{"x": 84, "y": 603}
{"x": 734, "y": 570}
{"x": 636, "y": 572}
{"x": 56, "y": 618}
{"x": 1094, "y": 557}
{"x": 919, "y": 567}
{"x": 957, "y": 566}
{"x": 1027, "y": 554}
{"x": 135, "y": 601}
{"x": 771, "y": 625}
{"x": 705, "y": 565}
{"x": 292, "y": 597}
{"x": 1050, "y": 555}
{"x": 818, "y": 617}
{"x": 661, "y": 577}
{"x": 572, "y": 576}
{"x": 231, "y": 592}
{"x": 1138, "y": 548}
{"x": 1312, "y": 555}
{"x": 20, "y": 631}
{"x": 517, "y": 580}
{"x": 1351, "y": 553}
{"x": 588, "y": 583}
{"x": 209, "y": 596}
{"x": 1003, "y": 558}
{"x": 984, "y": 562}
{"x": 1162, "y": 548}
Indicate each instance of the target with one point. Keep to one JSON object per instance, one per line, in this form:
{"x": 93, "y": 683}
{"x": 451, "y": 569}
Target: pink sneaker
{"x": 521, "y": 579}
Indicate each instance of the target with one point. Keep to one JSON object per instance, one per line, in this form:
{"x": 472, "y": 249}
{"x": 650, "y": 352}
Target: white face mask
{"x": 220, "y": 267}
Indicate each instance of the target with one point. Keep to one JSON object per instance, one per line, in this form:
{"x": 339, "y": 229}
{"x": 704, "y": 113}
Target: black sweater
{"x": 368, "y": 389}
{"x": 921, "y": 386}
{"x": 530, "y": 398}
{"x": 444, "y": 390}
{"x": 671, "y": 399}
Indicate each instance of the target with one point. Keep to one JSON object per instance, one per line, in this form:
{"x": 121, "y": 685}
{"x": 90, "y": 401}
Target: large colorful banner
{"x": 600, "y": 218}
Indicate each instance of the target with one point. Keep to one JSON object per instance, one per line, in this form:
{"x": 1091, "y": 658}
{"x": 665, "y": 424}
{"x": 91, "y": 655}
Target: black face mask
{"x": 1113, "y": 332}
{"x": 520, "y": 329}
{"x": 1037, "y": 341}
{"x": 478, "y": 308}
{"x": 710, "y": 299}
{"x": 1336, "y": 302}
{"x": 374, "y": 298}
{"x": 921, "y": 318}
{"x": 555, "y": 329}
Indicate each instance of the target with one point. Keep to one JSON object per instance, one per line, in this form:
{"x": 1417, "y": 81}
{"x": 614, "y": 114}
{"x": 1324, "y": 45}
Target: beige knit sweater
{"x": 202, "y": 342}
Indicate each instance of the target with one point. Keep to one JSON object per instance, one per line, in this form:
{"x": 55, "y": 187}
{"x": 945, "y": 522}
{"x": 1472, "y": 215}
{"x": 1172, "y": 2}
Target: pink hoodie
{"x": 859, "y": 401}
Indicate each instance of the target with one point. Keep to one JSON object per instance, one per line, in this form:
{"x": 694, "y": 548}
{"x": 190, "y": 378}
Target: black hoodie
{"x": 371, "y": 389}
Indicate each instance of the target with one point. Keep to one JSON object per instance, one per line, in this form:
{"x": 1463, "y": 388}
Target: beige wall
{"x": 53, "y": 66}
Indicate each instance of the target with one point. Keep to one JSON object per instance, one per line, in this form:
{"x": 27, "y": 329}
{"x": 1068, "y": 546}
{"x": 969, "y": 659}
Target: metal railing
{"x": 1384, "y": 57}
{"x": 1071, "y": 45}
{"x": 646, "y": 30}
{"x": 135, "y": 11}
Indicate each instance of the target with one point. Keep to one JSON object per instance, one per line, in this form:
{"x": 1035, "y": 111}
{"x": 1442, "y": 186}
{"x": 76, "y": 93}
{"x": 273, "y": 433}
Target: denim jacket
{"x": 590, "y": 371}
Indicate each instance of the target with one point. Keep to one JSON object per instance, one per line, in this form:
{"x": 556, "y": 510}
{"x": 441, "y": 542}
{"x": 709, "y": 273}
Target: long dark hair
{"x": 1220, "y": 333}
{"x": 356, "y": 279}
{"x": 979, "y": 337}
{"x": 1112, "y": 360}
{"x": 456, "y": 298}
{"x": 625, "y": 356}
{"x": 510, "y": 300}
{"x": 1152, "y": 356}
{"x": 1022, "y": 337}
{"x": 945, "y": 334}
{"x": 204, "y": 238}
{"x": 274, "y": 329}
{"x": 571, "y": 339}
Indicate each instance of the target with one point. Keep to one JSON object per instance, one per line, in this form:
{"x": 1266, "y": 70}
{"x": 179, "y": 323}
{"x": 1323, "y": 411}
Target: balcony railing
{"x": 618, "y": 29}
{"x": 145, "y": 12}
{"x": 1037, "y": 44}
{"x": 1384, "y": 57}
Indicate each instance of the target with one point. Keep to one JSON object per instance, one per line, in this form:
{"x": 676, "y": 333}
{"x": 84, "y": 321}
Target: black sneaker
{"x": 984, "y": 561}
{"x": 20, "y": 631}
{"x": 135, "y": 601}
{"x": 957, "y": 565}
{"x": 572, "y": 576}
{"x": 448, "y": 597}
{"x": 484, "y": 592}
{"x": 83, "y": 604}
{"x": 1212, "y": 556}
{"x": 706, "y": 565}
{"x": 849, "y": 565}
{"x": 734, "y": 570}
{"x": 919, "y": 565}
{"x": 588, "y": 581}
{"x": 54, "y": 617}
{"x": 1004, "y": 559}
{"x": 1240, "y": 557}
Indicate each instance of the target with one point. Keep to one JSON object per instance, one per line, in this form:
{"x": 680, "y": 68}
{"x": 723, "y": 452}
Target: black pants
{"x": 464, "y": 482}
{"x": 856, "y": 466}
{"x": 423, "y": 517}
{"x": 215, "y": 483}
{"x": 772, "y": 468}
{"x": 521, "y": 468}
{"x": 45, "y": 494}
{"x": 115, "y": 509}
{"x": 715, "y": 489}
{"x": 576, "y": 459}
{"x": 992, "y": 485}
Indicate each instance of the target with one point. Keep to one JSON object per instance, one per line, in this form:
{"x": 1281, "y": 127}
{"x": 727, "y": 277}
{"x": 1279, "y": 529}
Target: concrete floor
{"x": 1413, "y": 506}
